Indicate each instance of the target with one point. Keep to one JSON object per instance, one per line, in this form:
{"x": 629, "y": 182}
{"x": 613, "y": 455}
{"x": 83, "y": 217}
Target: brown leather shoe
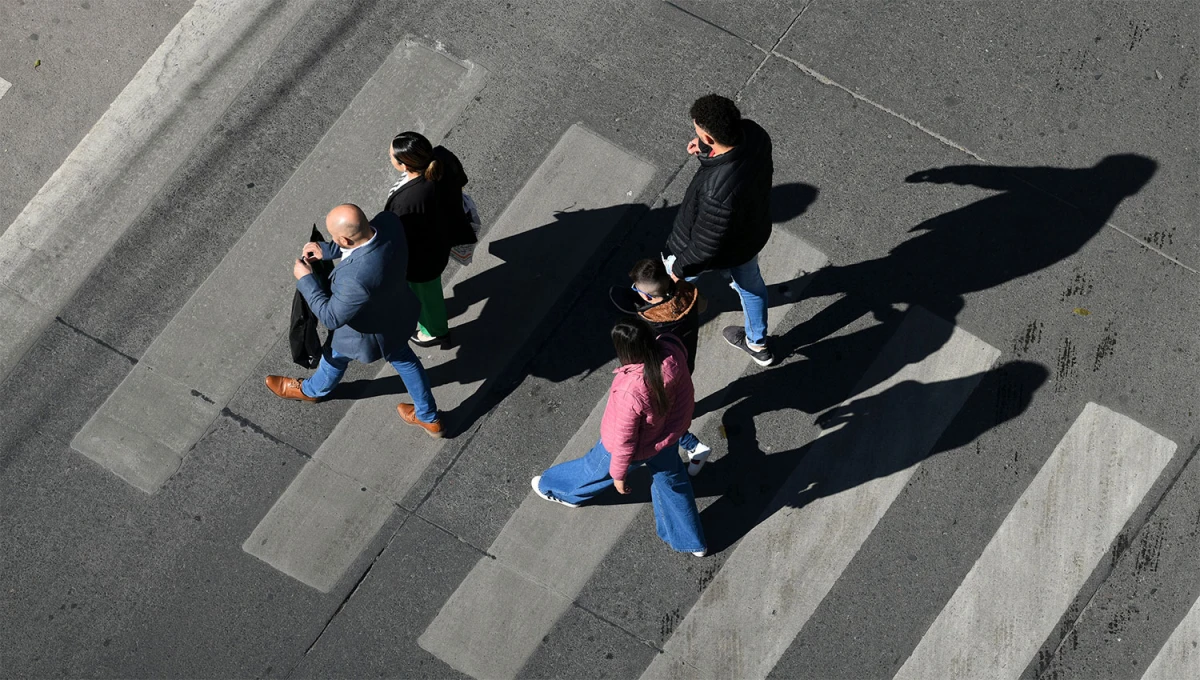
{"x": 408, "y": 413}
{"x": 288, "y": 388}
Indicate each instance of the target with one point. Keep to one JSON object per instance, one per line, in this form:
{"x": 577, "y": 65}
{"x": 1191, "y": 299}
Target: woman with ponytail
{"x": 649, "y": 407}
{"x": 428, "y": 199}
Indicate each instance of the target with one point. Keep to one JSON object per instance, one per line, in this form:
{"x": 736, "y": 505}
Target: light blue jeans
{"x": 675, "y": 515}
{"x": 747, "y": 280}
{"x": 412, "y": 373}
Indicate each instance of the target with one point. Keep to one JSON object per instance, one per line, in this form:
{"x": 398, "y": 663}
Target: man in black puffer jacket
{"x": 725, "y": 218}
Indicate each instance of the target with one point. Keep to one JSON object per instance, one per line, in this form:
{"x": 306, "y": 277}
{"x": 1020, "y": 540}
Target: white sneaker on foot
{"x": 697, "y": 457}
{"x": 702, "y": 553}
{"x": 536, "y": 482}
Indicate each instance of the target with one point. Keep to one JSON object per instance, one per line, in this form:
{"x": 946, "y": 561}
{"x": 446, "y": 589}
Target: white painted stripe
{"x": 110, "y": 177}
{"x": 584, "y": 174}
{"x": 4, "y": 85}
{"x": 1044, "y": 551}
{"x": 1180, "y": 656}
{"x": 195, "y": 366}
{"x": 545, "y": 554}
{"x": 772, "y": 583}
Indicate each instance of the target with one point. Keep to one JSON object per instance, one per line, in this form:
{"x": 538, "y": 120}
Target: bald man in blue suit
{"x": 368, "y": 307}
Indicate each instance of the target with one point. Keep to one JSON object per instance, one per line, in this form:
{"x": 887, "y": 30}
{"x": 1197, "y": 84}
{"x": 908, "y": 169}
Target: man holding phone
{"x": 725, "y": 218}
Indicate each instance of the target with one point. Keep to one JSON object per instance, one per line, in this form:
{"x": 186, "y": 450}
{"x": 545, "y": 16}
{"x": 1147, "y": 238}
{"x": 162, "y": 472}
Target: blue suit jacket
{"x": 369, "y": 307}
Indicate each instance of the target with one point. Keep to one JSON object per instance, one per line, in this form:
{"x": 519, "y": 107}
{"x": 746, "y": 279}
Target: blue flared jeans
{"x": 675, "y": 515}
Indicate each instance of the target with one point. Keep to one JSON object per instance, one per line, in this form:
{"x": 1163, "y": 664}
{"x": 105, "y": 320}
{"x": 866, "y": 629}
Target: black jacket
{"x": 725, "y": 217}
{"x": 441, "y": 224}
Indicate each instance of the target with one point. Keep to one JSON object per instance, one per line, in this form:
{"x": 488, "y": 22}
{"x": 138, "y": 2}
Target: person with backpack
{"x": 650, "y": 405}
{"x": 669, "y": 306}
{"x": 429, "y": 195}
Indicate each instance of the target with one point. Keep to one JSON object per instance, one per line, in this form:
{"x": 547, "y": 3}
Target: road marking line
{"x": 4, "y": 85}
{"x": 1180, "y": 656}
{"x": 572, "y": 201}
{"x": 116, "y": 170}
{"x": 781, "y": 571}
{"x": 1044, "y": 551}
{"x": 204, "y": 354}
{"x": 545, "y": 554}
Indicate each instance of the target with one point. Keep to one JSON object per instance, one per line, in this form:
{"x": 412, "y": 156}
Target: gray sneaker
{"x": 736, "y": 336}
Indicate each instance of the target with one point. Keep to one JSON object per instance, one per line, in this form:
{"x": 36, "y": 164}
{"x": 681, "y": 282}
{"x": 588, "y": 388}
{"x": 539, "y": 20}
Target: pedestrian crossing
{"x": 1054, "y": 536}
{"x": 750, "y": 612}
{"x": 115, "y": 171}
{"x": 344, "y": 495}
{"x": 198, "y": 362}
{"x": 1180, "y": 656}
{"x": 544, "y": 555}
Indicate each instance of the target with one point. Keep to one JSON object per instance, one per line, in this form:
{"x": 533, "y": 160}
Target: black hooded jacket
{"x": 725, "y": 217}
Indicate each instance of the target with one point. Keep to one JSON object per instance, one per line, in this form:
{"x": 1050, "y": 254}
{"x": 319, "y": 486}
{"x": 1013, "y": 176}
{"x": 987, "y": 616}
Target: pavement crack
{"x": 357, "y": 584}
{"x": 259, "y": 430}
{"x": 614, "y": 624}
{"x": 719, "y": 27}
{"x": 451, "y": 534}
{"x": 132, "y": 360}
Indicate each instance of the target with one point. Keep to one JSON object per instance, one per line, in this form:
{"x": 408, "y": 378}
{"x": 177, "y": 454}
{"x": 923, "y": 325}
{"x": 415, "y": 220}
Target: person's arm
{"x": 335, "y": 308}
{"x": 707, "y": 234}
{"x": 995, "y": 177}
{"x": 622, "y": 426}
{"x": 329, "y": 250}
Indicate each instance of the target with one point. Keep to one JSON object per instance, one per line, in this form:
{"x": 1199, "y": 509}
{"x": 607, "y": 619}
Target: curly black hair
{"x": 719, "y": 117}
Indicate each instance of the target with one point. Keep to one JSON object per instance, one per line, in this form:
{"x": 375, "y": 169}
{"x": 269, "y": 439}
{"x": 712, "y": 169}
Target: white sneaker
{"x": 697, "y": 457}
{"x": 702, "y": 553}
{"x": 536, "y": 481}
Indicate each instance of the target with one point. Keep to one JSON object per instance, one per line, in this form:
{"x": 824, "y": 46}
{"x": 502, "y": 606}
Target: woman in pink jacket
{"x": 649, "y": 407}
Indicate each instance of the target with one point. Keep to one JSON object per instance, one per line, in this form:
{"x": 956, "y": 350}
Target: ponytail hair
{"x": 635, "y": 343}
{"x": 416, "y": 153}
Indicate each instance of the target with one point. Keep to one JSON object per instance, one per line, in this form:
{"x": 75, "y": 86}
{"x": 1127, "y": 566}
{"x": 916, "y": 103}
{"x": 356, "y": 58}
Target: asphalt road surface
{"x": 976, "y": 457}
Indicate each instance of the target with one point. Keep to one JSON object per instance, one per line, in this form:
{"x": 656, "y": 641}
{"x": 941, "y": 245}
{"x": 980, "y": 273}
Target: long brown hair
{"x": 416, "y": 153}
{"x": 635, "y": 343}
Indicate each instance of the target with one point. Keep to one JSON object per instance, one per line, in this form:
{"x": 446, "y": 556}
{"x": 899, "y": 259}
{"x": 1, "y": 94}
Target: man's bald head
{"x": 348, "y": 226}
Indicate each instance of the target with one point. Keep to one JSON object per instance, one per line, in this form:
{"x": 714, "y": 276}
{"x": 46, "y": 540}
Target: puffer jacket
{"x": 725, "y": 217}
{"x": 630, "y": 430}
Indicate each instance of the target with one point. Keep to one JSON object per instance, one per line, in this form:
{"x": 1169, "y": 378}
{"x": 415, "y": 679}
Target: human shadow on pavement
{"x": 1042, "y": 216}
{"x": 531, "y": 262}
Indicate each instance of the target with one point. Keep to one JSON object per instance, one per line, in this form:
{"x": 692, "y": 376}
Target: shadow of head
{"x": 790, "y": 200}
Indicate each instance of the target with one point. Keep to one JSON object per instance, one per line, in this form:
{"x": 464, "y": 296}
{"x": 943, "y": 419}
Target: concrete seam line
{"x": 825, "y": 80}
{"x": 771, "y": 51}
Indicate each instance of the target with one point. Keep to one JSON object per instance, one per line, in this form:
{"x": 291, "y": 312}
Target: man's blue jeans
{"x": 747, "y": 280}
{"x": 333, "y": 367}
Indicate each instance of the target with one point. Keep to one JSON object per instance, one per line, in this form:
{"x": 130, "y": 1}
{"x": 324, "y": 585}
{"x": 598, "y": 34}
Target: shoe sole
{"x": 538, "y": 492}
{"x": 760, "y": 362}
{"x": 435, "y": 435}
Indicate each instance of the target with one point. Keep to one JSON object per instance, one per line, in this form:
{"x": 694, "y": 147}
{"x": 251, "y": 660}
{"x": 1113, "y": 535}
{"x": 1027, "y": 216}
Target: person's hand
{"x": 621, "y": 487}
{"x": 693, "y": 147}
{"x": 673, "y": 277}
{"x": 301, "y": 269}
{"x": 312, "y": 251}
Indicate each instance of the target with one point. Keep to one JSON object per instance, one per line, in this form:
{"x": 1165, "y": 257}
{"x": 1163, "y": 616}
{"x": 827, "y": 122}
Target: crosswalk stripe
{"x": 194, "y": 367}
{"x": 114, "y": 172}
{"x": 782, "y": 570}
{"x": 584, "y": 186}
{"x": 4, "y": 85}
{"x": 1044, "y": 551}
{"x": 1180, "y": 656}
{"x": 545, "y": 554}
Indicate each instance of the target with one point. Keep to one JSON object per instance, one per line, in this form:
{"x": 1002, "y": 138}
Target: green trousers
{"x": 433, "y": 319}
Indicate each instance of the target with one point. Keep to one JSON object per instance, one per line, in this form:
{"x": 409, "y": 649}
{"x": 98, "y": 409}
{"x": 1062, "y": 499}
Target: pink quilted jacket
{"x": 630, "y": 430}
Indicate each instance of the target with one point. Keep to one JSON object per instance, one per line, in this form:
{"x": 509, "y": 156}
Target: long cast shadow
{"x": 1042, "y": 216}
{"x": 527, "y": 264}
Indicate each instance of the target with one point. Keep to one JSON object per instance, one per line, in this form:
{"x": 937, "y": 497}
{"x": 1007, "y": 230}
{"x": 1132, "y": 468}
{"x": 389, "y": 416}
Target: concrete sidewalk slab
{"x": 204, "y": 355}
